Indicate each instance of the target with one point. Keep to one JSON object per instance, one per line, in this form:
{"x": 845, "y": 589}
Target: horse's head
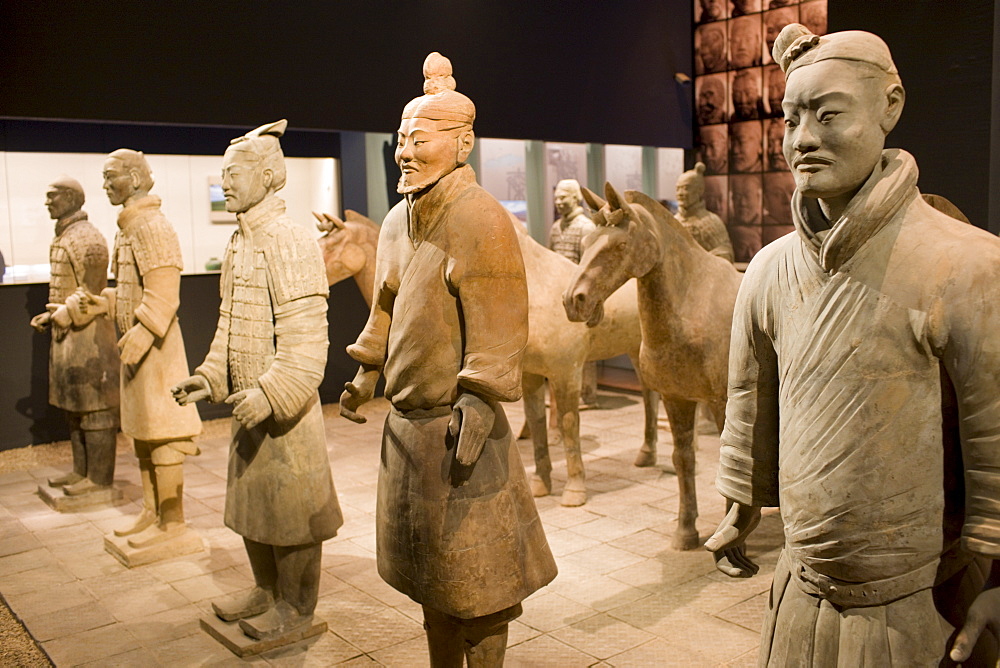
{"x": 343, "y": 255}
{"x": 622, "y": 247}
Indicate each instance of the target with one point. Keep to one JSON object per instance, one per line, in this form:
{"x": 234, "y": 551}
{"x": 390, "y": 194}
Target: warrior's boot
{"x": 444, "y": 639}
{"x": 170, "y": 506}
{"x": 298, "y": 571}
{"x": 259, "y": 599}
{"x": 147, "y": 517}
{"x": 79, "y": 461}
{"x": 100, "y": 446}
{"x": 486, "y": 652}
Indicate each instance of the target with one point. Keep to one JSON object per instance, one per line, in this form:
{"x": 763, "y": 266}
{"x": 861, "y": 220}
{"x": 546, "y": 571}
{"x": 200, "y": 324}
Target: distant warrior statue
{"x": 83, "y": 359}
{"x": 267, "y": 360}
{"x": 706, "y": 227}
{"x": 457, "y": 527}
{"x": 147, "y": 264}
{"x": 863, "y": 380}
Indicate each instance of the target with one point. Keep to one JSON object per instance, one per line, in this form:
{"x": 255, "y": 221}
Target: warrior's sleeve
{"x": 372, "y": 343}
{"x": 970, "y": 314}
{"x": 88, "y": 255}
{"x": 299, "y": 292}
{"x": 488, "y": 271}
{"x": 215, "y": 368}
{"x": 158, "y": 258}
{"x": 748, "y": 457}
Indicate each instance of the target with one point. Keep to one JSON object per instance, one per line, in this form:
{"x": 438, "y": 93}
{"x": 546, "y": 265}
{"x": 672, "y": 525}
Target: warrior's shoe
{"x": 83, "y": 486}
{"x": 243, "y": 604}
{"x": 154, "y": 535}
{"x": 276, "y": 621}
{"x": 143, "y": 521}
{"x": 65, "y": 479}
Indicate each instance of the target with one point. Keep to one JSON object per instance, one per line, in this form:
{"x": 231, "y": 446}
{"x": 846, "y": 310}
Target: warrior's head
{"x": 126, "y": 175}
{"x": 843, "y": 96}
{"x": 435, "y": 134}
{"x": 567, "y": 197}
{"x": 64, "y": 197}
{"x": 691, "y": 187}
{"x": 253, "y": 167}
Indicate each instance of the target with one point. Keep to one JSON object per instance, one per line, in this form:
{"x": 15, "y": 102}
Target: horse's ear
{"x": 350, "y": 215}
{"x": 327, "y": 221}
{"x": 592, "y": 200}
{"x": 616, "y": 201}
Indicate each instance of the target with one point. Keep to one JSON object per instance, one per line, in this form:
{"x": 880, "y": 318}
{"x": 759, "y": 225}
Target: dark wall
{"x": 944, "y": 53}
{"x": 25, "y": 415}
{"x": 563, "y": 71}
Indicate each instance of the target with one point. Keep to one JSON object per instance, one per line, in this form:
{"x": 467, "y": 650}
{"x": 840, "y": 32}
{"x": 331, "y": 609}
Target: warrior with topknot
{"x": 457, "y": 528}
{"x": 705, "y": 226}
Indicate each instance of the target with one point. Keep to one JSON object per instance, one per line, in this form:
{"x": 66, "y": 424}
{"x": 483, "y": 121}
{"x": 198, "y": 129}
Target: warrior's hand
{"x": 250, "y": 407}
{"x": 357, "y": 392}
{"x": 134, "y": 344}
{"x": 59, "y": 316}
{"x": 471, "y": 422}
{"x": 983, "y": 613}
{"x": 191, "y": 390}
{"x": 728, "y": 544}
{"x": 41, "y": 321}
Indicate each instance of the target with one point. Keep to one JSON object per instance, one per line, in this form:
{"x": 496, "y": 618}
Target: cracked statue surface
{"x": 83, "y": 358}
{"x": 147, "y": 265}
{"x": 457, "y": 528}
{"x": 874, "y": 332}
{"x": 267, "y": 360}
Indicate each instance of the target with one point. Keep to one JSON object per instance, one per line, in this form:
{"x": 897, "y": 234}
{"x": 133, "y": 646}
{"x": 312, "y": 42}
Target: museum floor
{"x": 622, "y": 597}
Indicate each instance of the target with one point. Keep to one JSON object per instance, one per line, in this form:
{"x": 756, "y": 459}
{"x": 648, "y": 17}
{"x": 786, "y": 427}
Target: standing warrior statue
{"x": 458, "y": 531}
{"x": 147, "y": 264}
{"x": 267, "y": 359}
{"x": 706, "y": 227}
{"x": 83, "y": 359}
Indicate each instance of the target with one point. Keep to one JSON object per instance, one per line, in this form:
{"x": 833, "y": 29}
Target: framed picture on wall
{"x": 217, "y": 202}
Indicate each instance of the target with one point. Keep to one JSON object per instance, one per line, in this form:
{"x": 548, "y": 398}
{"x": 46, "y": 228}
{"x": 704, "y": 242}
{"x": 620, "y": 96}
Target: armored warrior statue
{"x": 147, "y": 264}
{"x": 706, "y": 227}
{"x": 267, "y": 359}
{"x": 83, "y": 359}
{"x": 457, "y": 527}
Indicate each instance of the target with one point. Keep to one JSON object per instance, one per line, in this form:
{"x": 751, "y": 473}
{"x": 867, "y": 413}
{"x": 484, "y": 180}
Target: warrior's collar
{"x": 424, "y": 205}
{"x": 64, "y": 224}
{"x": 136, "y": 210}
{"x": 568, "y": 220}
{"x": 262, "y": 213}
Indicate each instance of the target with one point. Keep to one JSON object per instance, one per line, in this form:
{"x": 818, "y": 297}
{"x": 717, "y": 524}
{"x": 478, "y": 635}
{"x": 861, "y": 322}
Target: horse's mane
{"x": 661, "y": 214}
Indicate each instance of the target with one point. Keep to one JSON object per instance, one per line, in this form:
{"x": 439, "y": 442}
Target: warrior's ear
{"x": 592, "y": 200}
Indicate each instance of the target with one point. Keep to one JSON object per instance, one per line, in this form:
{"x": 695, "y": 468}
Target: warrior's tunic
{"x": 83, "y": 361}
{"x": 835, "y": 408}
{"x": 566, "y": 236}
{"x": 709, "y": 231}
{"x": 450, "y": 316}
{"x": 272, "y": 335}
{"x": 146, "y": 243}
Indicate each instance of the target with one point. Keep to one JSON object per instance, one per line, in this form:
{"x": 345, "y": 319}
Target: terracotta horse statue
{"x": 556, "y": 348}
{"x": 686, "y": 298}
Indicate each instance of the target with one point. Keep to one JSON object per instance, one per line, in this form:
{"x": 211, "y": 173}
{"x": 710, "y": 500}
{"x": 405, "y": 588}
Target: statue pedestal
{"x": 240, "y": 644}
{"x": 184, "y": 543}
{"x": 56, "y": 499}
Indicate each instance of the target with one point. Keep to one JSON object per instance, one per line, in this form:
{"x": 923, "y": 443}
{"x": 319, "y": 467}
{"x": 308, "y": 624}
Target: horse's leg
{"x": 533, "y": 387}
{"x": 554, "y": 430}
{"x": 681, "y": 414}
{"x": 566, "y": 392}
{"x": 651, "y": 406}
{"x": 718, "y": 411}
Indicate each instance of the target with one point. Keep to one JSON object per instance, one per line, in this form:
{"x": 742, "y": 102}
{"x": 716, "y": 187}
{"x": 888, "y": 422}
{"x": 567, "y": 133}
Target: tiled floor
{"x": 622, "y": 597}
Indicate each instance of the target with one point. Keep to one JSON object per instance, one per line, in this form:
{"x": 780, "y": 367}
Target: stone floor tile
{"x": 20, "y": 543}
{"x": 550, "y": 611}
{"x": 326, "y": 650}
{"x": 347, "y": 604}
{"x": 197, "y": 649}
{"x": 660, "y": 653}
{"x": 602, "y": 636}
{"x": 603, "y": 558}
{"x": 43, "y": 601}
{"x": 69, "y": 621}
{"x": 164, "y": 626}
{"x": 748, "y": 660}
{"x": 149, "y": 600}
{"x": 28, "y": 485}
{"x": 87, "y": 566}
{"x": 76, "y": 534}
{"x": 54, "y": 520}
{"x": 409, "y": 653}
{"x": 363, "y": 661}
{"x": 597, "y": 591}
{"x": 92, "y": 645}
{"x": 379, "y": 630}
{"x": 713, "y": 596}
{"x": 48, "y": 576}
{"x": 563, "y": 542}
{"x": 606, "y": 529}
{"x": 212, "y": 585}
{"x": 13, "y": 477}
{"x": 549, "y": 652}
{"x": 646, "y": 543}
{"x": 684, "y": 627}
{"x": 563, "y": 517}
{"x": 518, "y": 632}
{"x": 131, "y": 659}
{"x": 23, "y": 561}
{"x": 749, "y": 614}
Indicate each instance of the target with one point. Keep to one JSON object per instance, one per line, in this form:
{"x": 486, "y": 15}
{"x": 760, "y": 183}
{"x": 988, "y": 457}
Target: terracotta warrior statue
{"x": 566, "y": 238}
{"x": 457, "y": 527}
{"x": 706, "y": 227}
{"x": 83, "y": 359}
{"x": 147, "y": 264}
{"x": 267, "y": 360}
{"x": 863, "y": 378}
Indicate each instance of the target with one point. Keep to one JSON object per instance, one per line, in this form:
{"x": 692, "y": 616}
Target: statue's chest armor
{"x": 251, "y": 334}
{"x": 62, "y": 281}
{"x": 128, "y": 293}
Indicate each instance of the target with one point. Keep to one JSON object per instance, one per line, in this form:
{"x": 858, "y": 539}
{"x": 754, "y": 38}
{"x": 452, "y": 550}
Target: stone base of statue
{"x": 186, "y": 541}
{"x": 56, "y": 499}
{"x": 231, "y": 635}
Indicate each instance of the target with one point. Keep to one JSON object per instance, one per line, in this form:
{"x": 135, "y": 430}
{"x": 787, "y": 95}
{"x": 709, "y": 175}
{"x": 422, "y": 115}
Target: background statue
{"x": 147, "y": 264}
{"x": 83, "y": 359}
{"x": 267, "y": 360}
{"x": 706, "y": 227}
{"x": 457, "y": 528}
{"x": 566, "y": 238}
{"x": 843, "y": 330}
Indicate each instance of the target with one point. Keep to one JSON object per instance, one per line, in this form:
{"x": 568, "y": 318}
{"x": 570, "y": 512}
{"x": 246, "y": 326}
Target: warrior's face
{"x": 245, "y": 183}
{"x": 566, "y": 201}
{"x": 837, "y": 114}
{"x": 427, "y": 150}
{"x": 119, "y": 182}
{"x": 61, "y": 202}
{"x": 689, "y": 192}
